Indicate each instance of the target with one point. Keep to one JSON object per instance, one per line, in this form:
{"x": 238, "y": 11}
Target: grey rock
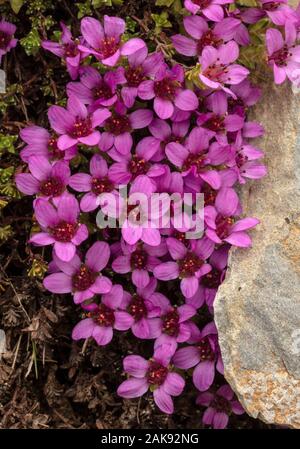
{"x": 257, "y": 309}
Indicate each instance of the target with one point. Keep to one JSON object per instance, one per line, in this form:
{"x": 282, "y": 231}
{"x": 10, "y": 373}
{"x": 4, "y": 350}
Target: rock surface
{"x": 257, "y": 309}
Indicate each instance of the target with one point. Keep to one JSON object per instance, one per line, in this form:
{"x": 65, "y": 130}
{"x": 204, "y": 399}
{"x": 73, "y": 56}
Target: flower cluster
{"x": 138, "y": 124}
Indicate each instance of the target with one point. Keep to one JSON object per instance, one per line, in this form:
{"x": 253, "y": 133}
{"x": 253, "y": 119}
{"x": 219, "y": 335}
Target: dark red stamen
{"x": 101, "y": 185}
{"x": 81, "y": 128}
{"x": 52, "y": 187}
{"x": 280, "y": 56}
{"x": 157, "y": 373}
{"x": 171, "y": 323}
{"x": 108, "y": 47}
{"x": 194, "y": 160}
{"x": 165, "y": 88}
{"x": 71, "y": 50}
{"x": 63, "y": 232}
{"x": 4, "y": 39}
{"x": 208, "y": 38}
{"x": 209, "y": 195}
{"x": 53, "y": 149}
{"x": 223, "y": 226}
{"x": 138, "y": 166}
{"x": 212, "y": 279}
{"x": 205, "y": 350}
{"x": 83, "y": 279}
{"x": 189, "y": 265}
{"x": 221, "y": 404}
{"x": 134, "y": 76}
{"x": 104, "y": 316}
{"x": 118, "y": 124}
{"x": 137, "y": 308}
{"x": 215, "y": 123}
{"x": 102, "y": 92}
{"x": 138, "y": 259}
{"x": 270, "y": 6}
{"x": 202, "y": 3}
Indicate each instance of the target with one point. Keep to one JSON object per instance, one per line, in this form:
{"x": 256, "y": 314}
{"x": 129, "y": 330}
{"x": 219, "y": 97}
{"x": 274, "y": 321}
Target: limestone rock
{"x": 257, "y": 309}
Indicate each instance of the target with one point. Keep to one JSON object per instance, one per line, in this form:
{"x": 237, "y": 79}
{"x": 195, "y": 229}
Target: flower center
{"x": 4, "y": 39}
{"x": 157, "y": 373}
{"x": 138, "y": 166}
{"x": 118, "y": 124}
{"x": 241, "y": 159}
{"x": 63, "y": 231}
{"x": 71, "y": 50}
{"x": 205, "y": 350}
{"x": 108, "y": 47}
{"x": 223, "y": 226}
{"x": 189, "y": 265}
{"x": 209, "y": 195}
{"x": 104, "y": 316}
{"x": 194, "y": 160}
{"x": 171, "y": 323}
{"x": 280, "y": 56}
{"x": 137, "y": 308}
{"x": 215, "y": 72}
{"x": 221, "y": 404}
{"x": 165, "y": 88}
{"x": 81, "y": 128}
{"x": 101, "y": 185}
{"x": 53, "y": 149}
{"x": 138, "y": 259}
{"x": 212, "y": 279}
{"x": 83, "y": 279}
{"x": 215, "y": 123}
{"x": 134, "y": 76}
{"x": 181, "y": 237}
{"x": 202, "y": 3}
{"x": 208, "y": 38}
{"x": 102, "y": 91}
{"x": 270, "y": 6}
{"x": 52, "y": 187}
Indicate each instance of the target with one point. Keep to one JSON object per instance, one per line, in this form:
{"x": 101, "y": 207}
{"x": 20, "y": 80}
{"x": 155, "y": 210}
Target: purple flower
{"x": 105, "y": 41}
{"x": 96, "y": 183}
{"x": 221, "y": 226}
{"x": 7, "y": 41}
{"x": 217, "y": 70}
{"x": 44, "y": 179}
{"x": 139, "y": 260}
{"x": 188, "y": 265}
{"x": 68, "y": 50}
{"x": 128, "y": 167}
{"x": 41, "y": 143}
{"x": 119, "y": 128}
{"x": 211, "y": 9}
{"x": 202, "y": 35}
{"x": 75, "y": 124}
{"x": 141, "y": 307}
{"x": 154, "y": 374}
{"x": 140, "y": 67}
{"x": 165, "y": 133}
{"x": 220, "y": 406}
{"x": 279, "y": 12}
{"x": 283, "y": 55}
{"x": 104, "y": 318}
{"x": 204, "y": 355}
{"x": 60, "y": 226}
{"x": 167, "y": 91}
{"x": 82, "y": 279}
{"x": 247, "y": 95}
{"x": 194, "y": 158}
{"x": 95, "y": 90}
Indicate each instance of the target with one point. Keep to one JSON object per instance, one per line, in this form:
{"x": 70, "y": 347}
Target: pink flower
{"x": 155, "y": 374}
{"x": 141, "y": 307}
{"x": 220, "y": 406}
{"x": 211, "y": 9}
{"x": 60, "y": 226}
{"x": 68, "y": 50}
{"x": 82, "y": 279}
{"x": 75, "y": 124}
{"x": 95, "y": 90}
{"x": 7, "y": 41}
{"x": 217, "y": 70}
{"x": 41, "y": 143}
{"x": 105, "y": 41}
{"x": 139, "y": 260}
{"x": 188, "y": 265}
{"x": 44, "y": 179}
{"x": 96, "y": 183}
{"x": 283, "y": 55}
{"x": 167, "y": 91}
{"x": 221, "y": 225}
{"x": 104, "y": 318}
{"x": 204, "y": 355}
{"x": 202, "y": 35}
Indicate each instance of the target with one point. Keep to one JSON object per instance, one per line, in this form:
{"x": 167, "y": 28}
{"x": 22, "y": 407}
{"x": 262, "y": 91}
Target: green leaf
{"x": 31, "y": 42}
{"x": 16, "y": 5}
{"x": 161, "y": 21}
{"x": 167, "y": 3}
{"x": 249, "y": 3}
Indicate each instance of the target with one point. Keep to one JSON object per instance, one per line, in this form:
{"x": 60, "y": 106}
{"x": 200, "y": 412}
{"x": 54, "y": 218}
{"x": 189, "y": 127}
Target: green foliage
{"x": 7, "y": 143}
{"x": 16, "y": 5}
{"x": 248, "y": 3}
{"x": 31, "y": 43}
{"x": 161, "y": 21}
{"x": 5, "y": 233}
